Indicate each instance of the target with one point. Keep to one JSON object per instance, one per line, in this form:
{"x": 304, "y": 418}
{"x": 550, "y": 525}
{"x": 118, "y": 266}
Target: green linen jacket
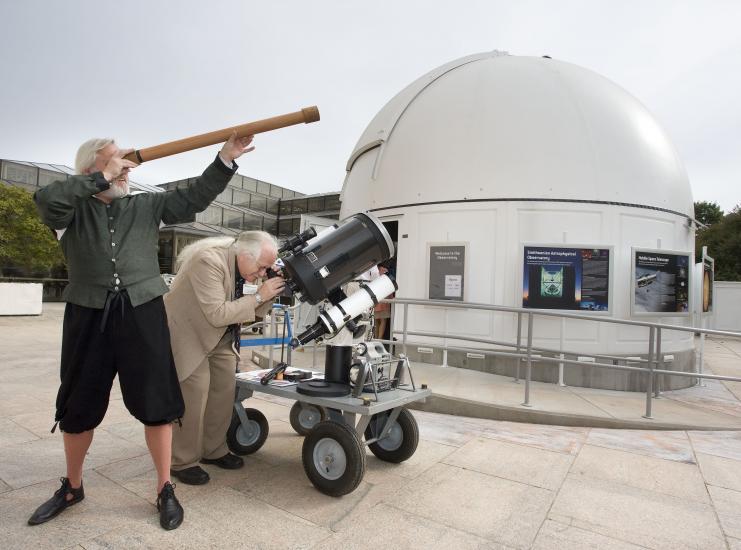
{"x": 113, "y": 247}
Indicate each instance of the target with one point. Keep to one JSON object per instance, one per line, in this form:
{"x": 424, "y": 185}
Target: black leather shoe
{"x": 228, "y": 461}
{"x": 58, "y": 503}
{"x": 171, "y": 513}
{"x": 195, "y": 475}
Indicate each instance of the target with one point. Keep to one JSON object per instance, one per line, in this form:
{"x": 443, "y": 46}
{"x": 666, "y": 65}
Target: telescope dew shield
{"x": 306, "y": 115}
{"x": 329, "y": 261}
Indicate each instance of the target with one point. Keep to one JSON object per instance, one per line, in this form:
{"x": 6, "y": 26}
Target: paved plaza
{"x": 473, "y": 482}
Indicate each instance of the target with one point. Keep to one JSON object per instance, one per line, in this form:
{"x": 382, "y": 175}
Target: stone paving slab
{"x": 728, "y": 506}
{"x": 536, "y": 467}
{"x": 725, "y": 444}
{"x": 493, "y": 508}
{"x": 24, "y": 464}
{"x": 667, "y": 477}
{"x": 224, "y": 518}
{"x": 106, "y": 506}
{"x": 557, "y": 535}
{"x": 389, "y": 527}
{"x": 666, "y": 444}
{"x": 12, "y": 432}
{"x": 719, "y": 471}
{"x": 638, "y": 516}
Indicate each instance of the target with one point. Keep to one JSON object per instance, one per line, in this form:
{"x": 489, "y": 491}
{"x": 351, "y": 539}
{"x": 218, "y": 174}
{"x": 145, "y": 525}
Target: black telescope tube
{"x": 358, "y": 243}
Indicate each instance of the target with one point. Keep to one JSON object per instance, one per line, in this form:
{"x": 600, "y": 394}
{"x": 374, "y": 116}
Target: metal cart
{"x": 333, "y": 454}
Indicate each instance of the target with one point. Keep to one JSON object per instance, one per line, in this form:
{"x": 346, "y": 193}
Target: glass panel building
{"x": 245, "y": 204}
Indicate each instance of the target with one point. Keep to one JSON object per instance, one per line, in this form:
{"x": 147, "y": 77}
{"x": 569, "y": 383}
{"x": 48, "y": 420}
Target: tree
{"x": 723, "y": 240}
{"x": 25, "y": 242}
{"x": 708, "y": 212}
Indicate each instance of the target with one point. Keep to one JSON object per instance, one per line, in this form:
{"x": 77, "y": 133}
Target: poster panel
{"x": 661, "y": 282}
{"x": 558, "y": 277}
{"x": 447, "y": 272}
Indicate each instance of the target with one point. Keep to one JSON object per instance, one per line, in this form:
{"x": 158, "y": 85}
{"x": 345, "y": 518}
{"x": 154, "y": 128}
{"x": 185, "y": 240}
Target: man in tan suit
{"x": 204, "y": 313}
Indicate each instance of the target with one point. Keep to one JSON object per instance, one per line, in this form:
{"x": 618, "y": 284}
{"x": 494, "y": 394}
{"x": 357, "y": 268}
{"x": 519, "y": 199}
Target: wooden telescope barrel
{"x": 305, "y": 115}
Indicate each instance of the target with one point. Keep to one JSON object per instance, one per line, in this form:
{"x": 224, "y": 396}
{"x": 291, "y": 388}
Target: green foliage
{"x": 25, "y": 242}
{"x": 708, "y": 212}
{"x": 723, "y": 240}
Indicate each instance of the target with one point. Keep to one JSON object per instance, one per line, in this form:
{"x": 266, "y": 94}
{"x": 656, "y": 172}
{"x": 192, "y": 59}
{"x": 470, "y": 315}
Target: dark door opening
{"x": 383, "y": 311}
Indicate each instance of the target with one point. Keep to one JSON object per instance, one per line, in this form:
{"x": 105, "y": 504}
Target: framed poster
{"x": 660, "y": 282}
{"x": 446, "y": 272}
{"x": 708, "y": 278}
{"x": 566, "y": 277}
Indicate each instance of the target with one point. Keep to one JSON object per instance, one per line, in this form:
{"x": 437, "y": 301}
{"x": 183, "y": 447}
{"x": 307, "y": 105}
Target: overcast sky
{"x": 150, "y": 71}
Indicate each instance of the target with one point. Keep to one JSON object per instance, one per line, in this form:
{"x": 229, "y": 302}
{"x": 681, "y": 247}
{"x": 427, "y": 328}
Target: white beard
{"x": 115, "y": 191}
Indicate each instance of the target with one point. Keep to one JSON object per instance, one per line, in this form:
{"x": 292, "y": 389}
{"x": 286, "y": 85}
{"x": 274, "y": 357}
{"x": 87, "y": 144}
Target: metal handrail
{"x": 654, "y": 362}
{"x": 549, "y": 313}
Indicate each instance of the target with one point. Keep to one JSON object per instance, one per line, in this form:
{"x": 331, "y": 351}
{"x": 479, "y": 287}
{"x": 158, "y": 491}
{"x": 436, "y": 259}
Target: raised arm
{"x": 181, "y": 205}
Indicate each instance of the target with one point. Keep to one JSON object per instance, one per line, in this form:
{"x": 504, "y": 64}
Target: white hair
{"x": 247, "y": 242}
{"x": 85, "y": 158}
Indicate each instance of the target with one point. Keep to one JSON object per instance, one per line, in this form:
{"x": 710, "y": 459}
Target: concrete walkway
{"x": 473, "y": 483}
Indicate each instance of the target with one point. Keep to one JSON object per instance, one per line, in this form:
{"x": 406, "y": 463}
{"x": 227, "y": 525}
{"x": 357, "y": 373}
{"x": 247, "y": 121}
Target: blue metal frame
{"x": 273, "y": 341}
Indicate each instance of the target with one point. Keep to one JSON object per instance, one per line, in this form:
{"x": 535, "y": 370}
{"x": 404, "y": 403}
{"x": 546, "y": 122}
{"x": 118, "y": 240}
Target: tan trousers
{"x": 209, "y": 400}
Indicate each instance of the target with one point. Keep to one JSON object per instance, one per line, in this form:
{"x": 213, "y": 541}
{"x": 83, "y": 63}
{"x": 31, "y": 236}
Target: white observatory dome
{"x": 497, "y": 127}
{"x": 491, "y": 154}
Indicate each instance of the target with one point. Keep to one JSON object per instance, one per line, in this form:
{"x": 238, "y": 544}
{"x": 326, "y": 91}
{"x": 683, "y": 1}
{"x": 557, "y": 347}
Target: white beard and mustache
{"x": 117, "y": 190}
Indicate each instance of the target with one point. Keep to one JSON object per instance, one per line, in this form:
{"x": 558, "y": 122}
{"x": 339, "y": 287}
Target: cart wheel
{"x": 334, "y": 458}
{"x": 401, "y": 441}
{"x": 304, "y": 418}
{"x": 246, "y": 439}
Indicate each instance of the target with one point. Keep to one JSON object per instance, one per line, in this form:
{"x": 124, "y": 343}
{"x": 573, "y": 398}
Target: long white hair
{"x": 247, "y": 242}
{"x": 85, "y": 158}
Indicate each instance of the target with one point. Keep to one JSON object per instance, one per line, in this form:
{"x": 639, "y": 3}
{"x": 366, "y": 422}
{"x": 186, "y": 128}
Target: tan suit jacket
{"x": 201, "y": 306}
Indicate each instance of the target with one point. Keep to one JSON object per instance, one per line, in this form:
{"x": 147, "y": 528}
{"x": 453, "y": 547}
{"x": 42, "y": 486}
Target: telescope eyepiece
{"x": 297, "y": 242}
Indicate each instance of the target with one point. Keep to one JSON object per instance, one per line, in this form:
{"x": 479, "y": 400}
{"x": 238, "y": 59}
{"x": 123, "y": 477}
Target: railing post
{"x": 659, "y": 362}
{"x": 528, "y": 370}
{"x": 519, "y": 345}
{"x": 404, "y": 333}
{"x": 700, "y": 367}
{"x": 560, "y": 346}
{"x": 392, "y": 314}
{"x": 649, "y": 382}
{"x": 272, "y": 335}
{"x": 286, "y": 313}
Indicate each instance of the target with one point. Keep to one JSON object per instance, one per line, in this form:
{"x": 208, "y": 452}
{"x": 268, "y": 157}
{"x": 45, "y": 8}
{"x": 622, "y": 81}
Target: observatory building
{"x": 531, "y": 182}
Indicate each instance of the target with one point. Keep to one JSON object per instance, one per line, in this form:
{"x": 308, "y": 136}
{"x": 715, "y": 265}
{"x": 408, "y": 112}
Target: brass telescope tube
{"x": 305, "y": 115}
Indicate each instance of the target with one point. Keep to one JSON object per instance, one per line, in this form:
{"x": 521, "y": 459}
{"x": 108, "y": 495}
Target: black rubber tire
{"x": 341, "y": 443}
{"x": 402, "y": 440}
{"x": 244, "y": 442}
{"x": 308, "y": 414}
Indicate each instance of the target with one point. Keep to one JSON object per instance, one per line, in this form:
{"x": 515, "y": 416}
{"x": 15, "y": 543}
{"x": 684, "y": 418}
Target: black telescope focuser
{"x": 296, "y": 242}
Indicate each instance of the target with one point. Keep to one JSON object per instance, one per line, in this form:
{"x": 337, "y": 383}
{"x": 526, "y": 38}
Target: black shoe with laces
{"x": 195, "y": 475}
{"x": 228, "y": 461}
{"x": 58, "y": 503}
{"x": 171, "y": 513}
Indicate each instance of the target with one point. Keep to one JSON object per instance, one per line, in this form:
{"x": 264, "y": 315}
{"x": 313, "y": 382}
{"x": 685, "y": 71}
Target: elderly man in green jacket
{"x": 114, "y": 320}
